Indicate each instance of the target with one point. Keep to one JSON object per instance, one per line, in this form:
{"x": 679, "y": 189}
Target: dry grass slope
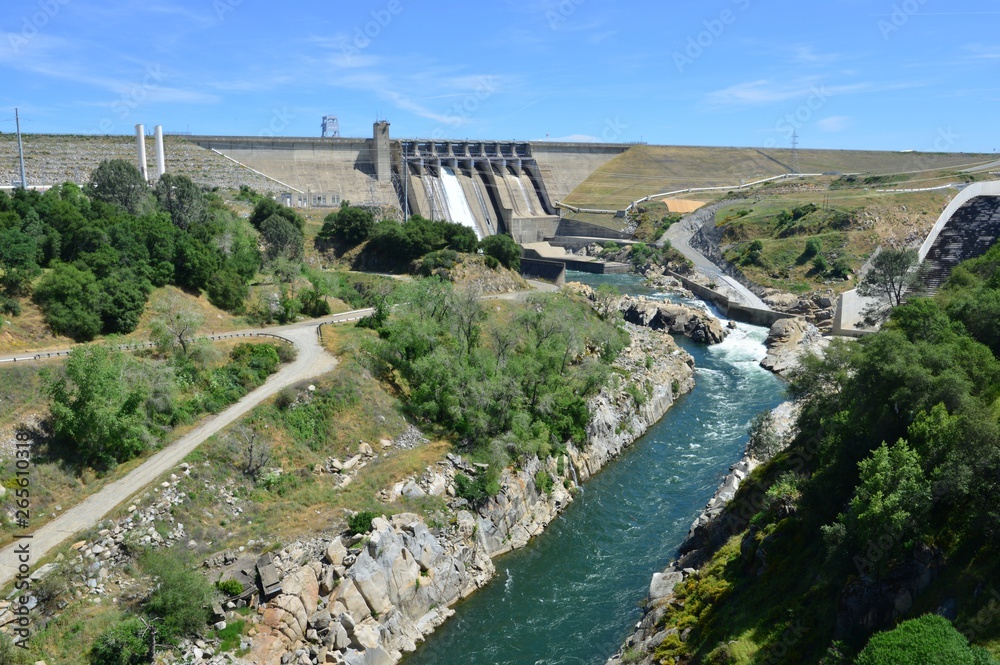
{"x": 646, "y": 170}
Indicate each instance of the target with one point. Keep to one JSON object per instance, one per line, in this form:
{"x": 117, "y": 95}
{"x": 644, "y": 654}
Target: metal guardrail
{"x": 45, "y": 355}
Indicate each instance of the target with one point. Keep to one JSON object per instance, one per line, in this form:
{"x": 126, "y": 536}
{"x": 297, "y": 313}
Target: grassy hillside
{"x": 646, "y": 170}
{"x": 799, "y": 241}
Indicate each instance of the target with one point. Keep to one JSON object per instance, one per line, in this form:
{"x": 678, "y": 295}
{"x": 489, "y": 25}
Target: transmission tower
{"x": 795, "y": 151}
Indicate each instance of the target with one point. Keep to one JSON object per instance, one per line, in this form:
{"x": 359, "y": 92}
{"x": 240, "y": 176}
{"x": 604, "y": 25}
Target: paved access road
{"x": 312, "y": 361}
{"x": 679, "y": 235}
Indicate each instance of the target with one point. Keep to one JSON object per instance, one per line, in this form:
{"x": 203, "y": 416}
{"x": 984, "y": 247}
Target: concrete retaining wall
{"x": 572, "y": 227}
{"x": 752, "y": 315}
{"x": 550, "y": 271}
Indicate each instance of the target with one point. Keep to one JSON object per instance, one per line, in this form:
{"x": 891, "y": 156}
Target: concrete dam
{"x": 490, "y": 186}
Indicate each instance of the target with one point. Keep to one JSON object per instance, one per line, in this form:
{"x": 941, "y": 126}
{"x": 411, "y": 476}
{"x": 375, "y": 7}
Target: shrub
{"x": 492, "y": 263}
{"x": 813, "y": 247}
{"x": 181, "y": 598}
{"x": 11, "y": 654}
{"x": 314, "y": 305}
{"x": 475, "y": 491}
{"x": 544, "y": 482}
{"x": 227, "y": 290}
{"x": 929, "y": 639}
{"x": 445, "y": 258}
{"x": 12, "y": 307}
{"x": 361, "y": 522}
{"x": 285, "y": 398}
{"x": 502, "y": 248}
{"x": 125, "y": 643}
{"x": 229, "y": 588}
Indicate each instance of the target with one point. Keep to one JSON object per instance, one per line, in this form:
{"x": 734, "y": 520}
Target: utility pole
{"x": 795, "y": 151}
{"x": 20, "y": 149}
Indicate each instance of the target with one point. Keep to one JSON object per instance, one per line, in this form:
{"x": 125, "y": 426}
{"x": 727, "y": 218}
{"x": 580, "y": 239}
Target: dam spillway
{"x": 494, "y": 187}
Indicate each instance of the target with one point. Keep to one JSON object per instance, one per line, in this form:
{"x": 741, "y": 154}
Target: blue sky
{"x": 892, "y": 74}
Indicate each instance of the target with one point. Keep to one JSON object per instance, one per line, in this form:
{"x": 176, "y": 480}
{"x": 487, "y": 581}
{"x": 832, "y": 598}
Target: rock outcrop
{"x": 818, "y": 308}
{"x": 788, "y": 341}
{"x": 691, "y": 322}
{"x": 697, "y": 324}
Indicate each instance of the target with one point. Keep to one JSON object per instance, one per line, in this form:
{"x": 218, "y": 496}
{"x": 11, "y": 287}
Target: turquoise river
{"x": 574, "y": 594}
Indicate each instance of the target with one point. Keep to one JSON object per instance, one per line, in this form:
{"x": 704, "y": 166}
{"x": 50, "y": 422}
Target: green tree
{"x": 118, "y": 182}
{"x": 227, "y": 290}
{"x": 97, "y": 406}
{"x": 890, "y": 275}
{"x": 888, "y": 506}
{"x": 71, "y": 302}
{"x": 123, "y": 300}
{"x": 267, "y": 208}
{"x": 283, "y": 238}
{"x": 503, "y": 249}
{"x": 18, "y": 261}
{"x": 182, "y": 199}
{"x": 194, "y": 265}
{"x": 928, "y": 640}
{"x": 348, "y": 225}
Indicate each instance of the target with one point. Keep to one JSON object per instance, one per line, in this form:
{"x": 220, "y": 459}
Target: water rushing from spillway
{"x": 573, "y": 595}
{"x": 456, "y": 201}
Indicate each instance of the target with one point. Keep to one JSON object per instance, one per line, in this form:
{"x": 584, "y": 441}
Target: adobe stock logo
{"x": 33, "y": 23}
{"x": 901, "y": 15}
{"x": 704, "y": 40}
{"x": 366, "y": 34}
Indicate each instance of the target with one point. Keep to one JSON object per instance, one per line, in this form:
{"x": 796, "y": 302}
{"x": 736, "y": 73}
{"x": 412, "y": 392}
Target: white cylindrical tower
{"x": 161, "y": 160}
{"x": 140, "y": 141}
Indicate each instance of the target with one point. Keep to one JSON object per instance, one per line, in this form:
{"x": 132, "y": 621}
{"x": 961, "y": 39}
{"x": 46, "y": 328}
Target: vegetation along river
{"x": 572, "y": 595}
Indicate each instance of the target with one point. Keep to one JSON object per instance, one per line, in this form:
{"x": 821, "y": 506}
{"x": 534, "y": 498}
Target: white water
{"x": 487, "y": 217}
{"x": 458, "y": 206}
{"x": 524, "y": 182}
{"x": 439, "y": 209}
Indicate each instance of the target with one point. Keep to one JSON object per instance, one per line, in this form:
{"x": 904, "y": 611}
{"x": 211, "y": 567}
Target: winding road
{"x": 680, "y": 234}
{"x": 312, "y": 361}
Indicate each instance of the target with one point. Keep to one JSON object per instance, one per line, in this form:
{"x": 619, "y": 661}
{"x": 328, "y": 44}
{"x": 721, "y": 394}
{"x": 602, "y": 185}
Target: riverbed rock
{"x": 788, "y": 341}
{"x": 697, "y": 324}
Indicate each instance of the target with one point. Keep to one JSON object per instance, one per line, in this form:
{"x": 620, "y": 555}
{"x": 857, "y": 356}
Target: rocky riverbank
{"x": 370, "y": 598}
{"x": 693, "y": 552}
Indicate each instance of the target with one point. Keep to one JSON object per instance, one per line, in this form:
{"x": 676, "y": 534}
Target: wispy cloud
{"x": 836, "y": 123}
{"x": 766, "y": 91}
{"x": 53, "y": 58}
